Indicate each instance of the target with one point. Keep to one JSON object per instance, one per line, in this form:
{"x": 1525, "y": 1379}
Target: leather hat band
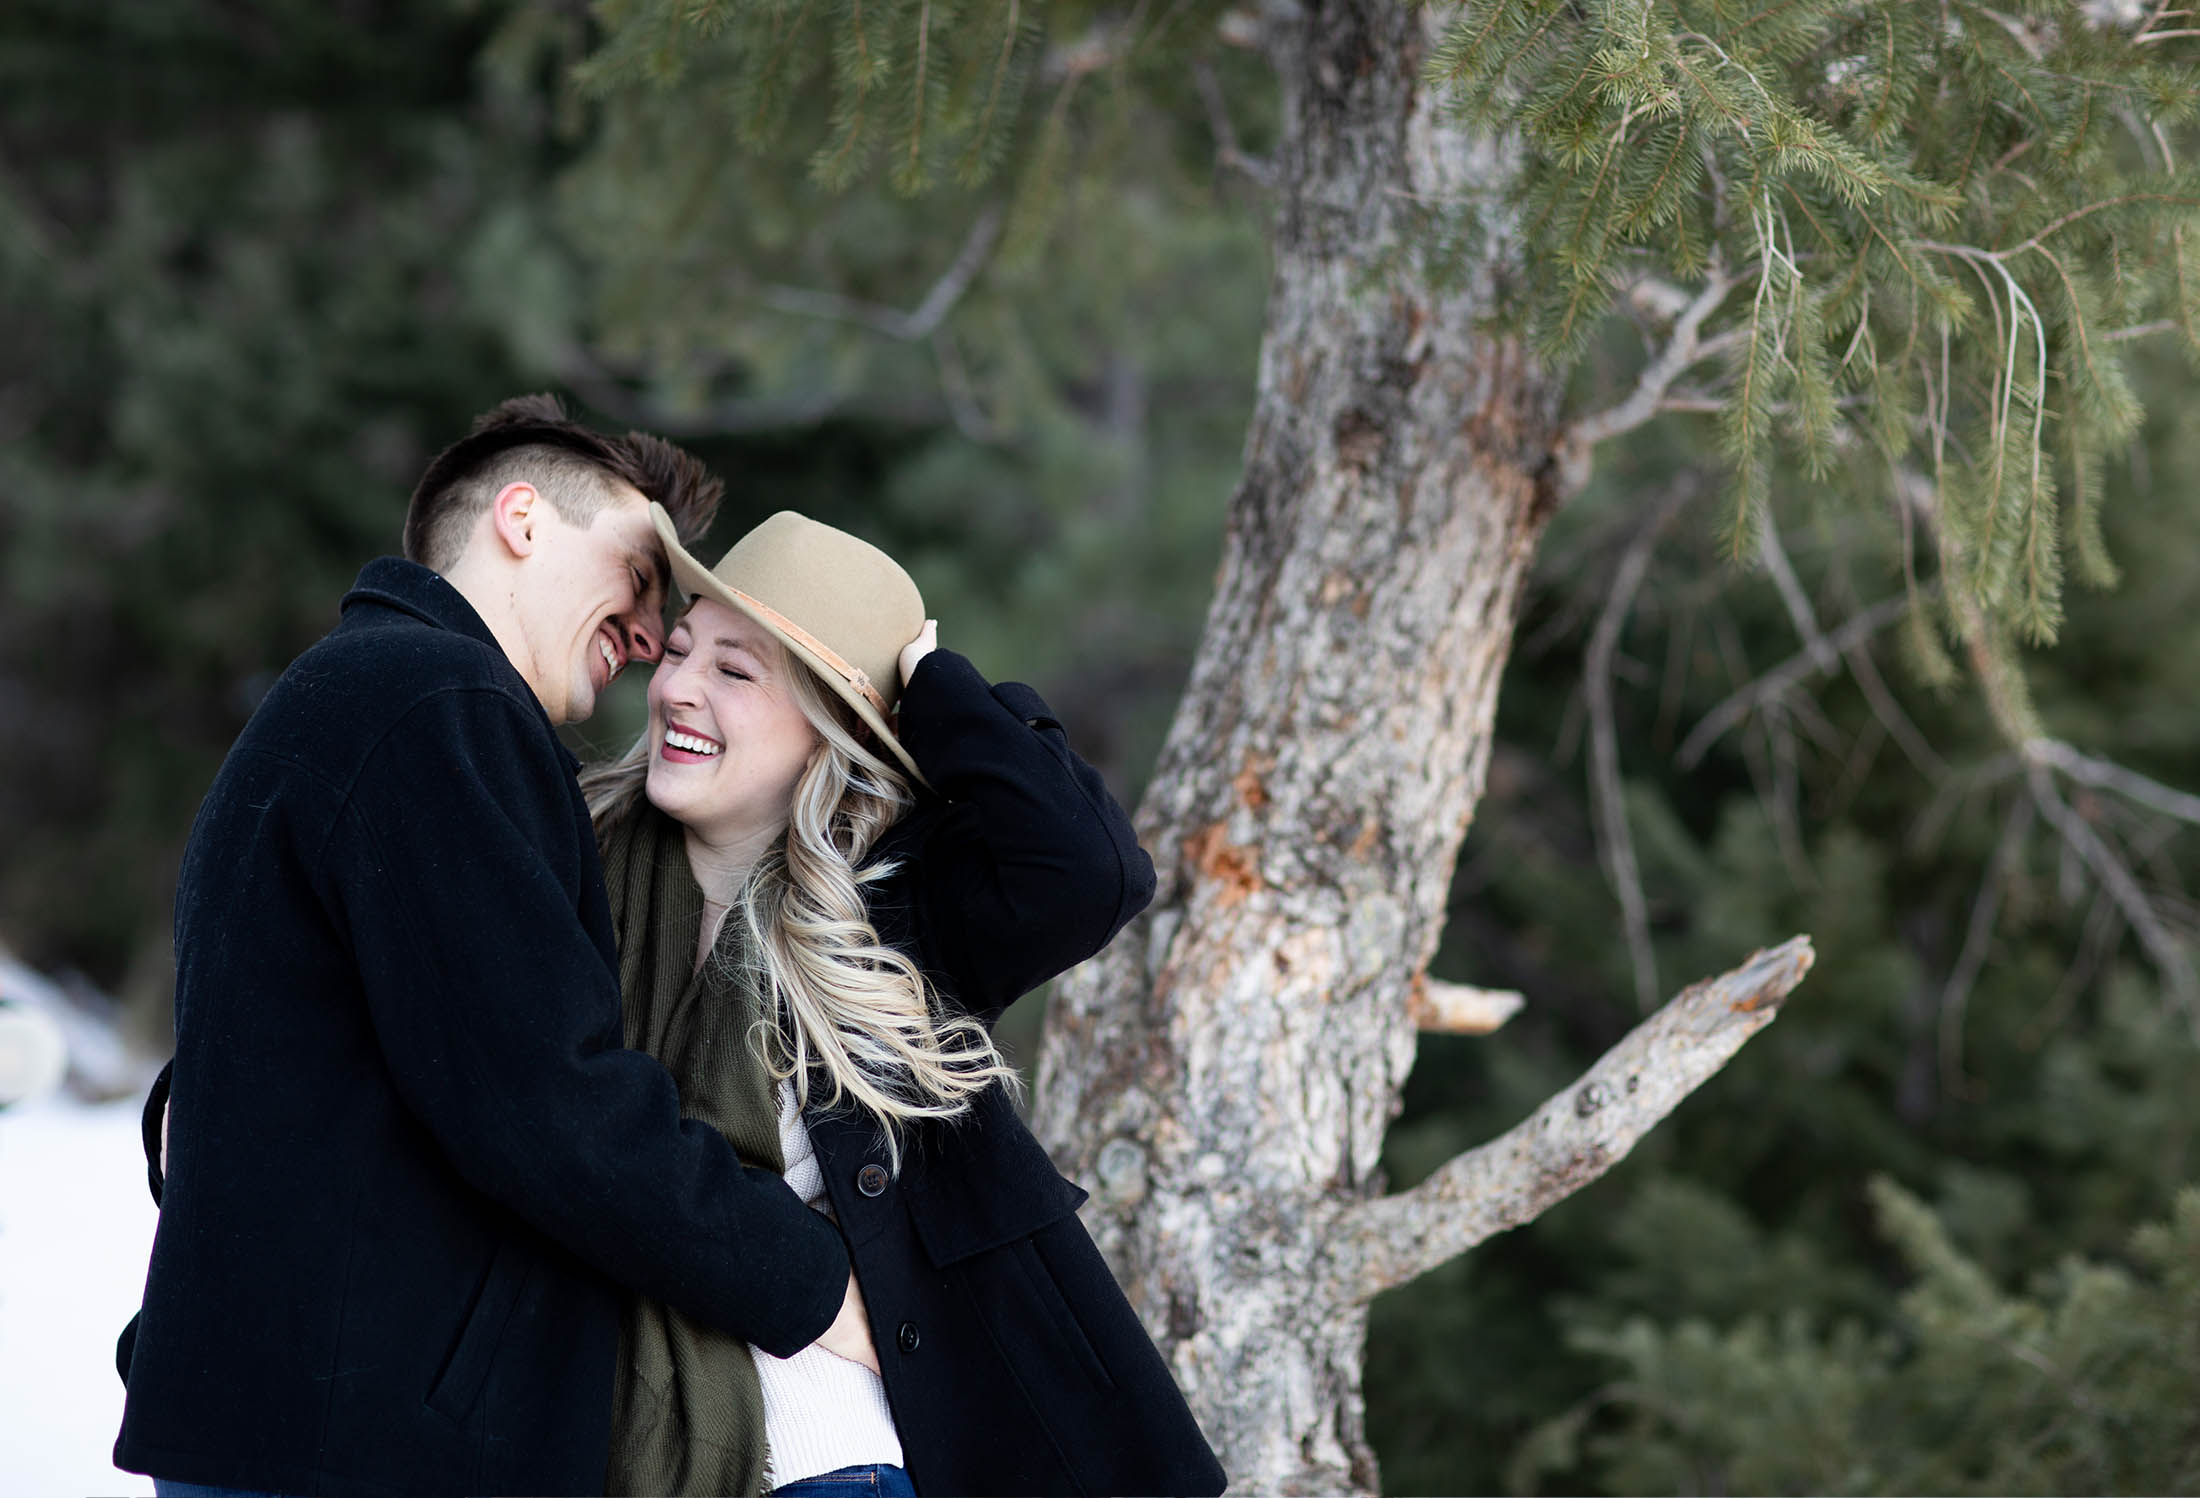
{"x": 855, "y": 677}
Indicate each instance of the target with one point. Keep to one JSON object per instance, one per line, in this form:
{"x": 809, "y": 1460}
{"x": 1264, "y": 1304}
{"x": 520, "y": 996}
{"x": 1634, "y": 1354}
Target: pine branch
{"x": 1575, "y": 1137}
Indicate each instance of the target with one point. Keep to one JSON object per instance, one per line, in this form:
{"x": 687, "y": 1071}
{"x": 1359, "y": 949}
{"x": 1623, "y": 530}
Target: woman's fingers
{"x": 927, "y": 641}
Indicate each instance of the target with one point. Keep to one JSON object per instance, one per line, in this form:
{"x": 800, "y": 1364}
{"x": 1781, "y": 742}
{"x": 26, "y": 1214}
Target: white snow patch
{"x": 76, "y": 1227}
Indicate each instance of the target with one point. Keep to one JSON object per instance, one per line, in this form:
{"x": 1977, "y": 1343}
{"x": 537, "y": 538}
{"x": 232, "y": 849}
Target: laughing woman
{"x": 825, "y": 898}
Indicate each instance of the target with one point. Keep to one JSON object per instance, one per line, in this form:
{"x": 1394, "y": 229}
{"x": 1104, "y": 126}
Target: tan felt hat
{"x": 840, "y": 605}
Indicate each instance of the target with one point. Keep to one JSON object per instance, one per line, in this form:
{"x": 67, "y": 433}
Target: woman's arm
{"x": 1031, "y": 866}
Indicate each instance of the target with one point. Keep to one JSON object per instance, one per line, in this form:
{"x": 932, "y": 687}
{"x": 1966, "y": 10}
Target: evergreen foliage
{"x": 926, "y": 89}
{"x": 2081, "y": 1383}
{"x": 1059, "y": 428}
{"x": 243, "y": 270}
{"x": 1739, "y": 1308}
{"x": 1936, "y": 220}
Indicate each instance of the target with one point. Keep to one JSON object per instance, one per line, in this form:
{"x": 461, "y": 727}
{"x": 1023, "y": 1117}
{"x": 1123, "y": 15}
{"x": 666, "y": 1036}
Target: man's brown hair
{"x": 530, "y": 438}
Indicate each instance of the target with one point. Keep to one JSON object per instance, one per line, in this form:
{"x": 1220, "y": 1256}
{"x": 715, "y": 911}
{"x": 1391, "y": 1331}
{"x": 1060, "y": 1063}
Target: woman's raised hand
{"x": 927, "y": 641}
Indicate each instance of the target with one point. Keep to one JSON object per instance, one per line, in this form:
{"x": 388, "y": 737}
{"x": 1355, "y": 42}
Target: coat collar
{"x": 412, "y": 589}
{"x": 409, "y": 588}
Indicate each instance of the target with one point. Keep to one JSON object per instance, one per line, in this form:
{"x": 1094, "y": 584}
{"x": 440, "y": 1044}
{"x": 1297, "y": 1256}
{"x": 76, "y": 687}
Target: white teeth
{"x": 689, "y": 742}
{"x": 604, "y": 646}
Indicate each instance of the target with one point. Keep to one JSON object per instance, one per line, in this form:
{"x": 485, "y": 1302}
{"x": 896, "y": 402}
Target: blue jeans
{"x": 163, "y": 1488}
{"x": 875, "y": 1481}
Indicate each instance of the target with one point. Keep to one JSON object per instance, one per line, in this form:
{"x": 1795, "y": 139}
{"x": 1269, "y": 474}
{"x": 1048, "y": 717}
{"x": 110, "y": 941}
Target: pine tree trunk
{"x": 1223, "y": 1074}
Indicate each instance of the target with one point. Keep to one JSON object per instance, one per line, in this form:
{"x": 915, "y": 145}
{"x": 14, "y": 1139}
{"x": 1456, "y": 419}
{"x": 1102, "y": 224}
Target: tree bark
{"x": 1224, "y": 1073}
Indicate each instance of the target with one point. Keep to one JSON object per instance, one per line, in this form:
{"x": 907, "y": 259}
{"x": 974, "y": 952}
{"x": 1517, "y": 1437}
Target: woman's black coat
{"x": 1012, "y": 1361}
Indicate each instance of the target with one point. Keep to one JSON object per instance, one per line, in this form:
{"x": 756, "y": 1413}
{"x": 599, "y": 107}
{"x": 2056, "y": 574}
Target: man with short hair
{"x": 412, "y": 1171}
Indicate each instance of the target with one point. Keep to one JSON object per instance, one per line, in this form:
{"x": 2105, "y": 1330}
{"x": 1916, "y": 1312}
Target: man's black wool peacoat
{"x": 1012, "y": 1361}
{"x": 412, "y": 1165}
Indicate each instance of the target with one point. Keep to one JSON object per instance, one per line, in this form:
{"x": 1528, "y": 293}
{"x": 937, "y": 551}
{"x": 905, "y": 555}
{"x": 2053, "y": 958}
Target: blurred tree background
{"x": 259, "y": 260}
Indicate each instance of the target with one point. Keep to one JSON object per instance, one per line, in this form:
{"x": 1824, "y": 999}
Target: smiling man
{"x": 411, "y": 1171}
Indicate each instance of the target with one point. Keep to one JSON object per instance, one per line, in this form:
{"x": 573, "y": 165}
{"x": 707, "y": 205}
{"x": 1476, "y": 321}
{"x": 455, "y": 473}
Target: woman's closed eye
{"x": 734, "y": 672}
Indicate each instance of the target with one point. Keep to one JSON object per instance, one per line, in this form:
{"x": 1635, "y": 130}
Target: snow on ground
{"x": 76, "y": 1225}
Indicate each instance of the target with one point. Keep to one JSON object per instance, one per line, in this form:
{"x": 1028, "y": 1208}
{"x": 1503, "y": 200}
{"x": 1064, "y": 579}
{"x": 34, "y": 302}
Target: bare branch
{"x": 1608, "y": 806}
{"x": 2109, "y": 776}
{"x": 1785, "y": 802}
{"x": 600, "y": 388}
{"x": 962, "y": 401}
{"x": 2142, "y": 330}
{"x": 1574, "y": 1137}
{"x": 1227, "y": 151}
{"x": 1657, "y": 297}
{"x": 1889, "y": 712}
{"x": 1882, "y": 698}
{"x": 1977, "y": 936}
{"x": 2103, "y": 925}
{"x": 1782, "y": 677}
{"x": 2122, "y": 886}
{"x": 1456, "y": 1009}
{"x": 912, "y": 326}
{"x": 1815, "y": 644}
{"x": 1681, "y": 350}
{"x": 1926, "y": 830}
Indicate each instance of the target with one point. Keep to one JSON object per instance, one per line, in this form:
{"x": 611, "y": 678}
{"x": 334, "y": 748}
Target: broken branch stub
{"x": 1441, "y": 1008}
{"x": 1576, "y": 1136}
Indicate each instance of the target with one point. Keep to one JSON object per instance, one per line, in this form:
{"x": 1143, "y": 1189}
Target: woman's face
{"x": 727, "y": 741}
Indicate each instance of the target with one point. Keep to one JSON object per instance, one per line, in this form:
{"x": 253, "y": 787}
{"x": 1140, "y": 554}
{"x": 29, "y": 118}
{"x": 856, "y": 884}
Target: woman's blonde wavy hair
{"x": 841, "y": 1007}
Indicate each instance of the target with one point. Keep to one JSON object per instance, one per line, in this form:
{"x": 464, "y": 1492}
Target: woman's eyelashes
{"x": 676, "y": 649}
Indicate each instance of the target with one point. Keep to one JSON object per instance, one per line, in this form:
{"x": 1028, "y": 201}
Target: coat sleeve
{"x": 458, "y": 866}
{"x": 1033, "y": 866}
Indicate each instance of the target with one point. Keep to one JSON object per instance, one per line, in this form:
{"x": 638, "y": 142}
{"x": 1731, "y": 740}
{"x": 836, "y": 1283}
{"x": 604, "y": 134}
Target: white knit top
{"x": 821, "y": 1412}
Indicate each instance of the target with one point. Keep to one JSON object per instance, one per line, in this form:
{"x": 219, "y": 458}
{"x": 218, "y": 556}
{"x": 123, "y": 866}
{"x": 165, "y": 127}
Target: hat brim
{"x": 698, "y": 581}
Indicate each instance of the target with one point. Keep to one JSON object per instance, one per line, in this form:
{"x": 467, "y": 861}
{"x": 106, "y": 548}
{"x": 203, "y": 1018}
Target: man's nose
{"x": 644, "y": 642}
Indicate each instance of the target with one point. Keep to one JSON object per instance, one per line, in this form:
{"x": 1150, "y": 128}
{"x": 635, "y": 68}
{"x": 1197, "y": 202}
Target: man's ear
{"x": 513, "y": 515}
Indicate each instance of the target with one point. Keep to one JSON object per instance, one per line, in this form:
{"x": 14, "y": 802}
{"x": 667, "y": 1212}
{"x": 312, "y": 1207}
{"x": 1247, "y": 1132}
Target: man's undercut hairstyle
{"x": 529, "y": 439}
{"x": 676, "y": 479}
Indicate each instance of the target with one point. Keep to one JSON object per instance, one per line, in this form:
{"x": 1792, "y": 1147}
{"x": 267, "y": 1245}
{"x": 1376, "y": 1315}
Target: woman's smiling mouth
{"x": 686, "y": 747}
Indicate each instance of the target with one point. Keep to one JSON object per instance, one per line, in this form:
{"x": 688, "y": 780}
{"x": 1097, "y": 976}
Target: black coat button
{"x": 906, "y": 1338}
{"x": 871, "y": 1180}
